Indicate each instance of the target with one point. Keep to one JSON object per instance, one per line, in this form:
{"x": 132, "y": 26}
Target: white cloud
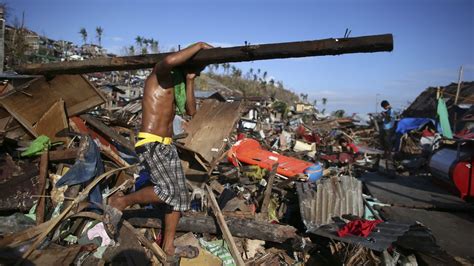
{"x": 116, "y": 39}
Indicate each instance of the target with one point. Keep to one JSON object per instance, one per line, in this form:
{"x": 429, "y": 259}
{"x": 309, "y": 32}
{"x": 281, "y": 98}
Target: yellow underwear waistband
{"x": 145, "y": 137}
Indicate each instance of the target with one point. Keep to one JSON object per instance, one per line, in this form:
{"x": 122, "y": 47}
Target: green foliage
{"x": 83, "y": 33}
{"x": 281, "y": 107}
{"x": 251, "y": 83}
{"x": 99, "y": 32}
{"x": 339, "y": 113}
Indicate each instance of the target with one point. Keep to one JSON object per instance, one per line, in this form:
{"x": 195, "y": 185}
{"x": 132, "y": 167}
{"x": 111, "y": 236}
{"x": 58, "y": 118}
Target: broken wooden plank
{"x": 63, "y": 155}
{"x": 18, "y": 184}
{"x": 78, "y": 125}
{"x": 157, "y": 251}
{"x": 210, "y": 127}
{"x": 107, "y": 131}
{"x": 268, "y": 193}
{"x": 56, "y": 220}
{"x": 53, "y": 121}
{"x": 42, "y": 179}
{"x": 78, "y": 94}
{"x": 332, "y": 46}
{"x": 229, "y": 239}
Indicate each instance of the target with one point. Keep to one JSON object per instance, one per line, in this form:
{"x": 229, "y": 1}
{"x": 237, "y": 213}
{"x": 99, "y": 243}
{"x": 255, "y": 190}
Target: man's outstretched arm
{"x": 190, "y": 98}
{"x": 179, "y": 58}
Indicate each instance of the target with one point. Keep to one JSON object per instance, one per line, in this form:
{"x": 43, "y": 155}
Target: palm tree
{"x": 139, "y": 41}
{"x": 99, "y": 31}
{"x": 265, "y": 75}
{"x": 324, "y": 100}
{"x": 154, "y": 46}
{"x": 83, "y": 33}
{"x": 146, "y": 42}
{"x": 131, "y": 50}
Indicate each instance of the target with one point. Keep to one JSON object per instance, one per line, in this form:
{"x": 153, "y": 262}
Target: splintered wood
{"x": 210, "y": 127}
{"x": 29, "y": 107}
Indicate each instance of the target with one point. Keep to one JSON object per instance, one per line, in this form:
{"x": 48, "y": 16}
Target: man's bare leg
{"x": 171, "y": 221}
{"x": 145, "y": 195}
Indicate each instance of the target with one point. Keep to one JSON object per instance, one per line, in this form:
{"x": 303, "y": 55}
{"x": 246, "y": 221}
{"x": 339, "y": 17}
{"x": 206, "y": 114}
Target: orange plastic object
{"x": 249, "y": 151}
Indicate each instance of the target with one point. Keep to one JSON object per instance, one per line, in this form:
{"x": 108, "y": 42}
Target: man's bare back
{"x": 158, "y": 105}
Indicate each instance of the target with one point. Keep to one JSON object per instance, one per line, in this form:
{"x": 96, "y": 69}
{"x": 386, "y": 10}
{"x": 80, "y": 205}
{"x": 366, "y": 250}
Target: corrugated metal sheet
{"x": 379, "y": 239}
{"x": 329, "y": 197}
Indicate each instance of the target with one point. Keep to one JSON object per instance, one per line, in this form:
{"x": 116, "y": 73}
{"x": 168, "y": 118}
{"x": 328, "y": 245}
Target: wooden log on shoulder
{"x": 332, "y": 46}
{"x": 200, "y": 223}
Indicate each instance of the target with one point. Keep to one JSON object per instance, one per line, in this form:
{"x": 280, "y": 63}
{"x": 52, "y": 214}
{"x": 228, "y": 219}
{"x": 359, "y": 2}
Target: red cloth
{"x": 353, "y": 147}
{"x": 427, "y": 133}
{"x": 301, "y": 130}
{"x": 358, "y": 228}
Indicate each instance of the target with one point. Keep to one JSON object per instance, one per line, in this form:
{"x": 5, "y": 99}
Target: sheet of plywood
{"x": 5, "y": 119}
{"x": 52, "y": 122}
{"x": 29, "y": 104}
{"x": 209, "y": 128}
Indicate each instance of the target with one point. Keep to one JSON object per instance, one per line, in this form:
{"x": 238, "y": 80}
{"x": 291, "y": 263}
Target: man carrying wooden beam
{"x": 169, "y": 89}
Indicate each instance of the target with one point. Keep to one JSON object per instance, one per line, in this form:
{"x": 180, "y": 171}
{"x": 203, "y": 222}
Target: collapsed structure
{"x": 282, "y": 189}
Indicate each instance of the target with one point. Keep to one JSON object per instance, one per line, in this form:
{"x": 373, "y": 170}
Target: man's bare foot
{"x": 169, "y": 251}
{"x": 188, "y": 251}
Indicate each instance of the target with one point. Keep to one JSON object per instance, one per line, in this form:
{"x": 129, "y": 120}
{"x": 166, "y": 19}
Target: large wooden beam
{"x": 199, "y": 223}
{"x": 333, "y": 46}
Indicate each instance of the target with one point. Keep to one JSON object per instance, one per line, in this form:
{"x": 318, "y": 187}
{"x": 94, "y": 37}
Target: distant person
{"x": 169, "y": 89}
{"x": 388, "y": 127}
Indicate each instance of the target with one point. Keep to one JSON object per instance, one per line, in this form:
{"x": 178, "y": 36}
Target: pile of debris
{"x": 269, "y": 184}
{"x": 280, "y": 186}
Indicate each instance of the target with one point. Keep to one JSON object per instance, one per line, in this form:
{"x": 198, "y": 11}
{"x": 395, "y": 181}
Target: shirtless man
{"x": 155, "y": 150}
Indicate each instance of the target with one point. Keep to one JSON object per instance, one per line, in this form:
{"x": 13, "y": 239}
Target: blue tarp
{"x": 408, "y": 124}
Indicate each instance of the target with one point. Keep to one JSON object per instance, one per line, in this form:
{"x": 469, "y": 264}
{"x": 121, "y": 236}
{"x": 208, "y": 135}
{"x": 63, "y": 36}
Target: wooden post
{"x": 268, "y": 193}
{"x": 42, "y": 179}
{"x": 225, "y": 230}
{"x": 459, "y": 86}
{"x": 107, "y": 131}
{"x": 333, "y": 46}
{"x": 457, "y": 97}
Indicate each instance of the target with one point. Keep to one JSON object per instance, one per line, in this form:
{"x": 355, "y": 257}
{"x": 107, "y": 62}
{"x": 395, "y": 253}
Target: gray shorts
{"x": 166, "y": 173}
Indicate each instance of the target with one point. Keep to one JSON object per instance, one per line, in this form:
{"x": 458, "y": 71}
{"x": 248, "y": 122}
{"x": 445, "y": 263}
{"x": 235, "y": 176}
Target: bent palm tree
{"x": 83, "y": 33}
{"x": 99, "y": 32}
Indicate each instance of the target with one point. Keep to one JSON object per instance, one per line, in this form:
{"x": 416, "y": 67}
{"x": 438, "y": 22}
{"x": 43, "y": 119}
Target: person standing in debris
{"x": 388, "y": 127}
{"x": 169, "y": 89}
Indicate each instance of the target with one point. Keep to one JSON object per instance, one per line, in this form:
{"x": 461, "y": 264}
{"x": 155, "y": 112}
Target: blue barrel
{"x": 314, "y": 172}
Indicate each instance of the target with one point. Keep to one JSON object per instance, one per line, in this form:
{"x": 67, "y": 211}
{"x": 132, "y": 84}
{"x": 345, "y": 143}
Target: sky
{"x": 432, "y": 39}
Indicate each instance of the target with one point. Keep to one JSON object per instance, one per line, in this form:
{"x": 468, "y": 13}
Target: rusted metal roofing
{"x": 329, "y": 197}
{"x": 379, "y": 239}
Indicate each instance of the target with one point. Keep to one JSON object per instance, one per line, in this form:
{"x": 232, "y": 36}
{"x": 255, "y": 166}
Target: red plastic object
{"x": 358, "y": 228}
{"x": 249, "y": 151}
{"x": 462, "y": 180}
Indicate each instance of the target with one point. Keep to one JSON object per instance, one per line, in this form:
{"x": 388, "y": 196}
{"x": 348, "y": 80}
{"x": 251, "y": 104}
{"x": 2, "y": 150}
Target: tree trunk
{"x": 333, "y": 46}
{"x": 199, "y": 223}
